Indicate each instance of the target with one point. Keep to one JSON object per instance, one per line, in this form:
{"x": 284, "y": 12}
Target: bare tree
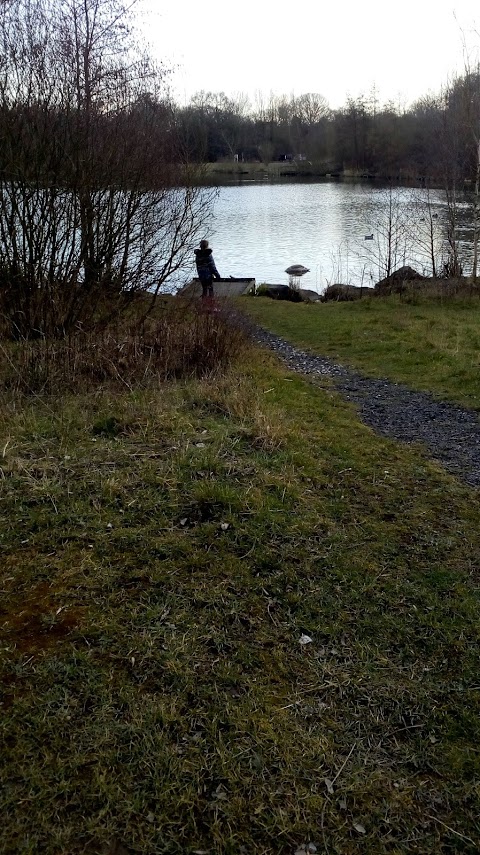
{"x": 471, "y": 105}
{"x": 224, "y": 118}
{"x": 92, "y": 209}
{"x": 476, "y": 214}
{"x": 451, "y": 170}
{"x": 386, "y": 248}
{"x": 425, "y": 228}
{"x": 468, "y": 88}
{"x": 311, "y": 107}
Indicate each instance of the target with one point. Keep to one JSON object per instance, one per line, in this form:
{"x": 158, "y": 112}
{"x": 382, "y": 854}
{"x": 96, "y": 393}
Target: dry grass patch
{"x": 179, "y": 340}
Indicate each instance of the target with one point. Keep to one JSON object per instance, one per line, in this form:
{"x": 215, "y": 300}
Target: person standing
{"x": 206, "y": 269}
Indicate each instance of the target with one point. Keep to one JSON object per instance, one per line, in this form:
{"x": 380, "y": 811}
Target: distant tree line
{"x": 434, "y": 136}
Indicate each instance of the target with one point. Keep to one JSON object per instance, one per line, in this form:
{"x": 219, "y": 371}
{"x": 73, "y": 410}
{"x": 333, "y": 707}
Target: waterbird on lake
{"x": 369, "y": 237}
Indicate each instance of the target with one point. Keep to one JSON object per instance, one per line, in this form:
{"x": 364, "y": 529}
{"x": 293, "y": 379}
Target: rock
{"x": 309, "y": 296}
{"x": 277, "y": 292}
{"x": 341, "y": 293}
{"x": 395, "y": 283}
{"x": 281, "y": 292}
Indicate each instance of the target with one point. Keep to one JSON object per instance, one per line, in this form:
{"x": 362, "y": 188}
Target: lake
{"x": 261, "y": 229}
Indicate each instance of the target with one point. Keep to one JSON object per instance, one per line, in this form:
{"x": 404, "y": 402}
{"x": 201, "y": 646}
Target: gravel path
{"x": 450, "y": 433}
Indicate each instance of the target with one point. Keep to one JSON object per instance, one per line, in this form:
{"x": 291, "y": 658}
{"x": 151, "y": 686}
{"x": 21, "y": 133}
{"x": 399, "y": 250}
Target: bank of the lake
{"x": 256, "y": 170}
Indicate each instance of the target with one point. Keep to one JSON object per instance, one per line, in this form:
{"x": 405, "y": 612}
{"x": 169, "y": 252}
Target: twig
{"x": 463, "y": 836}
{"x": 322, "y": 826}
{"x": 342, "y": 767}
{"x": 122, "y": 379}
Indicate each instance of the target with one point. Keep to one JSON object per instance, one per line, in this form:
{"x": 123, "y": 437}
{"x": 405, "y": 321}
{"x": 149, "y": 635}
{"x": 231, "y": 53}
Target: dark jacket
{"x": 206, "y": 268}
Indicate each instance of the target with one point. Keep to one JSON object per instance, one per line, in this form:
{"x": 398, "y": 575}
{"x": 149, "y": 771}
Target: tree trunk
{"x": 476, "y": 212}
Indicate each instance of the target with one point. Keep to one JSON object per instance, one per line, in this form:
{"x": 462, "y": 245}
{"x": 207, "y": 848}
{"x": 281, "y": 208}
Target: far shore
{"x": 257, "y": 171}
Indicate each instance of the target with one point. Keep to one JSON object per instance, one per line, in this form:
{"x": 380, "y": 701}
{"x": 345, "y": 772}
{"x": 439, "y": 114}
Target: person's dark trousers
{"x": 207, "y": 288}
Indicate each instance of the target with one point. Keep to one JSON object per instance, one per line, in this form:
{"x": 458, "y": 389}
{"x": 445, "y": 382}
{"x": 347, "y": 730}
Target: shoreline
{"x": 255, "y": 171}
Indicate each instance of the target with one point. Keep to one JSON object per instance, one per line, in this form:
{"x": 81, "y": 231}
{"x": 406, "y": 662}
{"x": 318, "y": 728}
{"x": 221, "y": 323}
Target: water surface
{"x": 261, "y": 229}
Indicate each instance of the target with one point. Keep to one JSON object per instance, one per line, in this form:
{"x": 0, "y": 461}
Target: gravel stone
{"x": 450, "y": 434}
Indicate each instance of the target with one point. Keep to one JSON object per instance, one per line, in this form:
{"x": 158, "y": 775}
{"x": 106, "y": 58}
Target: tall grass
{"x": 179, "y": 341}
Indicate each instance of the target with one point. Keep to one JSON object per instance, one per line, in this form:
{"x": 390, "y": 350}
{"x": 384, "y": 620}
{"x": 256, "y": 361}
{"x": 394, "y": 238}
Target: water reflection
{"x": 261, "y": 229}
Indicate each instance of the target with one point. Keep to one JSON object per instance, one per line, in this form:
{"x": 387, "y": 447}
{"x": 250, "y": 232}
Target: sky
{"x": 338, "y": 49}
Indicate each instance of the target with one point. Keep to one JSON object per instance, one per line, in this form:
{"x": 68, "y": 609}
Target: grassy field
{"x": 166, "y": 555}
{"x": 427, "y": 344}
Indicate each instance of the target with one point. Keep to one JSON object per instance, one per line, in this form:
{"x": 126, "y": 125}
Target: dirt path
{"x": 450, "y": 434}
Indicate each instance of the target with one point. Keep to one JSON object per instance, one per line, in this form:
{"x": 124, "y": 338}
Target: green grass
{"x": 431, "y": 345}
{"x": 162, "y": 554}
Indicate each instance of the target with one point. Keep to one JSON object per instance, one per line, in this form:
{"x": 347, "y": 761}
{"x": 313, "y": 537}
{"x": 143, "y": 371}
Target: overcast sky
{"x": 405, "y": 49}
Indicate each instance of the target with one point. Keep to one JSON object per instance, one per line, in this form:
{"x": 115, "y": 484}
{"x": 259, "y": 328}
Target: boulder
{"x": 286, "y": 292}
{"x": 309, "y": 296}
{"x": 341, "y": 293}
{"x": 396, "y": 282}
{"x": 280, "y": 292}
